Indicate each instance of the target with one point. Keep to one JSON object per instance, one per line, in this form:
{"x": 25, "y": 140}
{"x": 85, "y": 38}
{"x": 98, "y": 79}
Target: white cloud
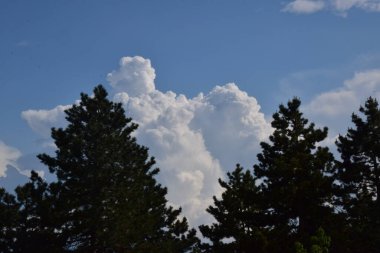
{"x": 134, "y": 76}
{"x": 8, "y": 156}
{"x": 339, "y": 6}
{"x": 333, "y": 103}
{"x": 195, "y": 140}
{"x": 231, "y": 124}
{"x": 334, "y": 108}
{"x": 367, "y": 5}
{"x": 304, "y": 6}
{"x": 41, "y": 121}
{"x": 346, "y": 99}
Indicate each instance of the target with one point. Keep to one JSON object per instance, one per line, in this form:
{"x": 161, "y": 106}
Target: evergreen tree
{"x": 35, "y": 230}
{"x": 319, "y": 243}
{"x": 8, "y": 221}
{"x": 359, "y": 176}
{"x": 106, "y": 196}
{"x": 294, "y": 175}
{"x": 240, "y": 221}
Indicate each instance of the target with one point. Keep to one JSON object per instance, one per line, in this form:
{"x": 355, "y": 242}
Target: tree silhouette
{"x": 36, "y": 219}
{"x": 359, "y": 176}
{"x": 295, "y": 177}
{"x": 8, "y": 221}
{"x": 106, "y": 197}
{"x": 240, "y": 220}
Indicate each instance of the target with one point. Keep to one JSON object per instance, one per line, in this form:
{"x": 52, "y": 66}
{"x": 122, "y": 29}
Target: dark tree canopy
{"x": 359, "y": 175}
{"x": 240, "y": 221}
{"x": 288, "y": 198}
{"x": 36, "y": 218}
{"x": 106, "y": 182}
{"x": 8, "y": 220}
{"x": 295, "y": 173}
{"x": 319, "y": 243}
{"x": 105, "y": 198}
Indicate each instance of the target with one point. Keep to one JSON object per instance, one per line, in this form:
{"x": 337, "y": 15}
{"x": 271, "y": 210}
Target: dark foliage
{"x": 293, "y": 194}
{"x": 8, "y": 220}
{"x": 105, "y": 198}
{"x": 359, "y": 175}
{"x": 295, "y": 175}
{"x": 240, "y": 220}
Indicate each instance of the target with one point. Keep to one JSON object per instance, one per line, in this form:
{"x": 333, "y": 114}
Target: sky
{"x": 201, "y": 77}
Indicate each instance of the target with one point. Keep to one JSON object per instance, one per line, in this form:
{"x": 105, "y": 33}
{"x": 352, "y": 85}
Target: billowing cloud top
{"x": 134, "y": 76}
{"x": 339, "y": 6}
{"x": 195, "y": 140}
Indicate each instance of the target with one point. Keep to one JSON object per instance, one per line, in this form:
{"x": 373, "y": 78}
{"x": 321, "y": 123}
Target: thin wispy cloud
{"x": 341, "y": 7}
{"x": 23, "y": 43}
{"x": 304, "y": 6}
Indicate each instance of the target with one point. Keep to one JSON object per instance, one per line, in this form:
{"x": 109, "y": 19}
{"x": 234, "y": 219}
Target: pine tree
{"x": 106, "y": 194}
{"x": 35, "y": 230}
{"x": 359, "y": 176}
{"x": 319, "y": 243}
{"x": 8, "y": 221}
{"x": 240, "y": 221}
{"x": 295, "y": 177}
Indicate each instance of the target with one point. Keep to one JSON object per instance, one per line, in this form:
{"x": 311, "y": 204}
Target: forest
{"x": 298, "y": 198}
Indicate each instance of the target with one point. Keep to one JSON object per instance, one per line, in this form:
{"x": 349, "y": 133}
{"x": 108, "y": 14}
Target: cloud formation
{"x": 339, "y": 6}
{"x": 304, "y": 6}
{"x": 195, "y": 140}
{"x": 334, "y": 108}
{"x": 348, "y": 97}
{"x": 367, "y": 5}
{"x": 8, "y": 156}
{"x": 135, "y": 74}
{"x": 41, "y": 121}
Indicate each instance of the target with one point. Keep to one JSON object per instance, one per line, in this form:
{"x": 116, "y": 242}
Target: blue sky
{"x": 325, "y": 51}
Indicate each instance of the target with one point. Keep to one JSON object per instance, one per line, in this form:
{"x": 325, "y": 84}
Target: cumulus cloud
{"x": 8, "y": 156}
{"x": 304, "y": 6}
{"x": 194, "y": 140}
{"x": 41, "y": 121}
{"x": 135, "y": 74}
{"x": 231, "y": 124}
{"x": 334, "y": 108}
{"x": 338, "y": 6}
